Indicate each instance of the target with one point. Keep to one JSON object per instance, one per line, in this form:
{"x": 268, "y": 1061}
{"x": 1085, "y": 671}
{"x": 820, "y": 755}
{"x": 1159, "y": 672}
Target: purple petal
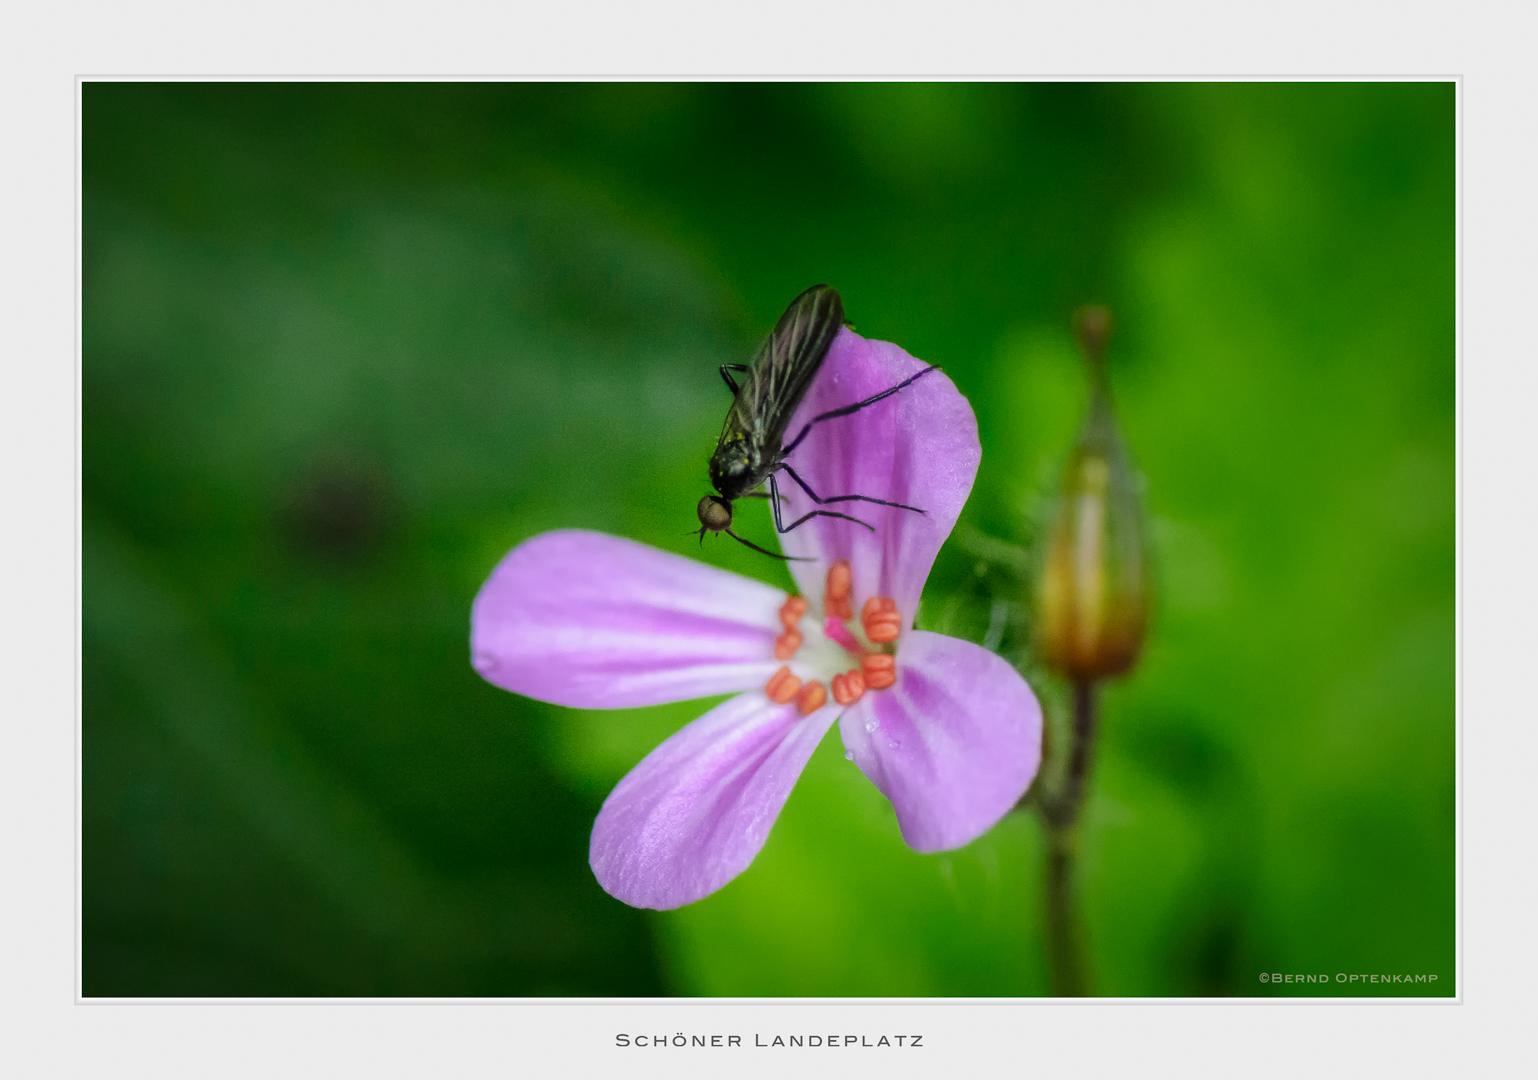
{"x": 694, "y": 813}
{"x": 918, "y": 447}
{"x": 593, "y": 621}
{"x": 954, "y": 744}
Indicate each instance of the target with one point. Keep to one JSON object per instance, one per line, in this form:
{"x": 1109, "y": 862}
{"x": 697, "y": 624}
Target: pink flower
{"x": 948, "y": 731}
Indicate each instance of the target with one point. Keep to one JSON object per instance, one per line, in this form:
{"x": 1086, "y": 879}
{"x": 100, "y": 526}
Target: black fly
{"x": 750, "y": 451}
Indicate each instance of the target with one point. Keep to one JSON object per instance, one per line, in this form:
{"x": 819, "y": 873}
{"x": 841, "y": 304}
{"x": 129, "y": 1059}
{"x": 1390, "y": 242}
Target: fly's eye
{"x": 715, "y": 513}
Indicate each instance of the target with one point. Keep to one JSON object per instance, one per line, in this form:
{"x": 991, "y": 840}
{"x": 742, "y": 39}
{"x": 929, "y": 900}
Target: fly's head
{"x": 715, "y": 514}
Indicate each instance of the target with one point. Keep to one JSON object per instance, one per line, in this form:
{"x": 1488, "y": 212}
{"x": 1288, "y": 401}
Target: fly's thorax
{"x": 732, "y": 469}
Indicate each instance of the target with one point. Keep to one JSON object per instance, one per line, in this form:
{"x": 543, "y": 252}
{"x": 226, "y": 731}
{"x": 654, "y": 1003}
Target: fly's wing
{"x": 783, "y": 369}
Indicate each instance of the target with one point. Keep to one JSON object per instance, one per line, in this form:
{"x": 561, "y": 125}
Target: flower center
{"x": 871, "y": 642}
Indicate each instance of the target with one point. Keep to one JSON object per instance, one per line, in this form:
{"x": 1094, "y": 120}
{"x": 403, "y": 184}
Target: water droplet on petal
{"x": 895, "y": 744}
{"x": 848, "y": 755}
{"x": 870, "y": 725}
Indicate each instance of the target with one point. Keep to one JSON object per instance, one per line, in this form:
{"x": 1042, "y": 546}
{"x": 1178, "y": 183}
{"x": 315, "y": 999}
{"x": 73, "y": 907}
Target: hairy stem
{"x": 1065, "y": 946}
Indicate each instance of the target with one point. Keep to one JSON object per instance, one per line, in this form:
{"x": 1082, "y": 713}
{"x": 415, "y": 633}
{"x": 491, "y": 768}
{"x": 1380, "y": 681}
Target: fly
{"x": 750, "y": 450}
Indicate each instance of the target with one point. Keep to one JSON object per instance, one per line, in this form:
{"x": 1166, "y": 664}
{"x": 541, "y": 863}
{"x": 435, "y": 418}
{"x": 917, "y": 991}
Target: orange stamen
{"x": 848, "y": 687}
{"x": 786, "y": 644}
{"x": 791, "y": 611}
{"x": 879, "y": 669}
{"x": 782, "y": 686}
{"x": 882, "y": 622}
{"x": 835, "y": 603}
{"x": 881, "y": 619}
{"x": 811, "y": 698}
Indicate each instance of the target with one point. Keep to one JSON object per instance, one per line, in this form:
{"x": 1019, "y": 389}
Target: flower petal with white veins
{"x": 696, "y": 810}
{"x": 598, "y": 622}
{"x": 953, "y": 745}
{"x": 918, "y": 447}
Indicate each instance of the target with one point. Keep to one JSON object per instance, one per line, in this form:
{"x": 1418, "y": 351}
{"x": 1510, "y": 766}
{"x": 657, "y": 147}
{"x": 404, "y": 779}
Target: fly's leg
{"x": 727, "y": 369}
{"x": 780, "y": 526}
{"x": 766, "y": 551}
{"x": 843, "y": 498}
{"x": 846, "y": 410}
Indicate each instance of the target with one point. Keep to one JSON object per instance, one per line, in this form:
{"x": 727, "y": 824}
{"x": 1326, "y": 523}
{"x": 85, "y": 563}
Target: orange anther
{"x": 786, "y": 644}
{"x": 880, "y": 670}
{"x": 835, "y": 603}
{"x": 811, "y": 698}
{"x": 782, "y": 686}
{"x": 791, "y": 611}
{"x": 848, "y": 687}
{"x": 881, "y": 619}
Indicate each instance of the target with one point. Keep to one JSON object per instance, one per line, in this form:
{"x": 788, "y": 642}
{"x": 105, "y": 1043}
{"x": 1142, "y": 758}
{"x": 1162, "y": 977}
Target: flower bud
{"x": 1092, "y": 592}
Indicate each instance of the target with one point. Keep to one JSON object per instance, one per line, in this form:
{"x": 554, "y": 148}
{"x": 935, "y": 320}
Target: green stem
{"x": 1065, "y": 944}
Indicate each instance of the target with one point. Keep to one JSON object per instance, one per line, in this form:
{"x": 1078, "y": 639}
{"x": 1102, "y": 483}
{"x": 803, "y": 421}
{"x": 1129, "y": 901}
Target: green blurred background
{"x": 345, "y": 345}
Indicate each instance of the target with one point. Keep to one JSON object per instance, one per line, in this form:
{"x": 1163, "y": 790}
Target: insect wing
{"x": 784, "y": 368}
